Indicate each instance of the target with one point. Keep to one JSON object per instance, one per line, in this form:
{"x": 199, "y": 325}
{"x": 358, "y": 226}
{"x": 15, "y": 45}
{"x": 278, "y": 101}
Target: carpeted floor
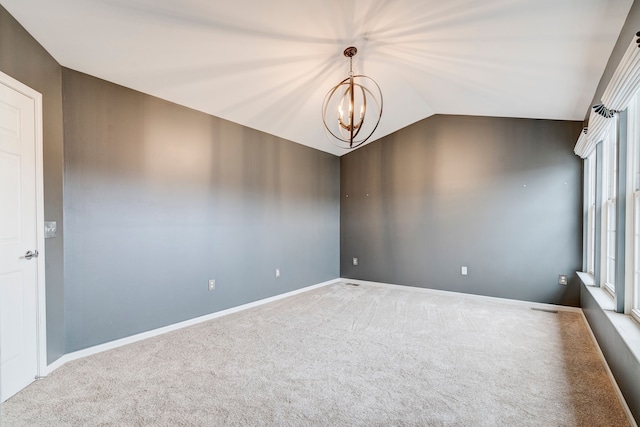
{"x": 341, "y": 355}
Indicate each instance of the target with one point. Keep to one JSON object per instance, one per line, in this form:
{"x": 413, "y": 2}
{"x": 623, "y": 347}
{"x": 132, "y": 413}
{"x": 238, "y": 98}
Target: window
{"x": 610, "y": 146}
{"x": 633, "y": 138}
{"x": 591, "y": 212}
{"x": 610, "y": 170}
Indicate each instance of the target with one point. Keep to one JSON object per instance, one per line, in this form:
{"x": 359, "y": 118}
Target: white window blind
{"x": 622, "y": 88}
{"x": 625, "y": 82}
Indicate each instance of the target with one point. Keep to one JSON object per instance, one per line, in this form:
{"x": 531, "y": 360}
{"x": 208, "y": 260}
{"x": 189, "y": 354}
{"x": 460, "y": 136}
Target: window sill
{"x": 628, "y": 329}
{"x": 624, "y": 324}
{"x": 603, "y": 298}
{"x": 586, "y": 278}
{"x": 601, "y": 295}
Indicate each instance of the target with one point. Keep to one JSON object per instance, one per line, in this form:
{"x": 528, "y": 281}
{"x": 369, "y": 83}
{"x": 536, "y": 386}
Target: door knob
{"x": 30, "y": 254}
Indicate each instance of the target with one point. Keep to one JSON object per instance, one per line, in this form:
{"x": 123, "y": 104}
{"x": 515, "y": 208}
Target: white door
{"x": 18, "y": 221}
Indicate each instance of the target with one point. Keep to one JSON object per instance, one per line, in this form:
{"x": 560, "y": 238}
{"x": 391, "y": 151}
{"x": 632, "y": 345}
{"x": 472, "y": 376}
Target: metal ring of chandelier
{"x": 360, "y": 93}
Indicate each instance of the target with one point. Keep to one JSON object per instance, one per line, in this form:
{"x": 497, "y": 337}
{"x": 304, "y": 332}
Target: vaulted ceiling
{"x": 268, "y": 64}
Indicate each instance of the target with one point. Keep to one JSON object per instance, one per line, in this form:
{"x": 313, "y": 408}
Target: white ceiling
{"x": 268, "y": 64}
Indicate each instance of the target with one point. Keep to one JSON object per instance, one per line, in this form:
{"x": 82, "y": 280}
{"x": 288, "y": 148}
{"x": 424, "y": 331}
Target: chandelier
{"x": 352, "y": 109}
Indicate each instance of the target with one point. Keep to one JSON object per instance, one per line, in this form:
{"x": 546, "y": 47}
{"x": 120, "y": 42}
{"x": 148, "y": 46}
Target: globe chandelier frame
{"x": 356, "y": 90}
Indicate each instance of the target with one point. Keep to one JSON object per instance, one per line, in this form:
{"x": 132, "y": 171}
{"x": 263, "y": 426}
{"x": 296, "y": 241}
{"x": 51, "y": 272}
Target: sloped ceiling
{"x": 268, "y": 64}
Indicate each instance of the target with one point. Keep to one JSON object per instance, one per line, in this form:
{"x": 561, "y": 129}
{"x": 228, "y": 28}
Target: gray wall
{"x": 25, "y": 60}
{"x": 160, "y": 198}
{"x": 498, "y": 195}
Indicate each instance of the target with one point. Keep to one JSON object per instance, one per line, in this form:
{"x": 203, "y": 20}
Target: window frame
{"x": 608, "y": 251}
{"x": 591, "y": 214}
{"x": 632, "y": 302}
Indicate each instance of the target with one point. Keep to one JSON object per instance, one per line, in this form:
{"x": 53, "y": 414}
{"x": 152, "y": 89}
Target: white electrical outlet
{"x": 277, "y": 272}
{"x": 355, "y": 261}
{"x": 212, "y": 284}
{"x": 463, "y": 270}
{"x": 562, "y": 280}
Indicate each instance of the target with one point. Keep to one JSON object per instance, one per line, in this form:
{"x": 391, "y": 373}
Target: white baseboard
{"x": 540, "y": 305}
{"x": 155, "y": 332}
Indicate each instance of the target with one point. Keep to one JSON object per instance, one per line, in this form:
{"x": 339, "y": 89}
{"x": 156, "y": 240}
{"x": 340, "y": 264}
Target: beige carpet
{"x": 341, "y": 355}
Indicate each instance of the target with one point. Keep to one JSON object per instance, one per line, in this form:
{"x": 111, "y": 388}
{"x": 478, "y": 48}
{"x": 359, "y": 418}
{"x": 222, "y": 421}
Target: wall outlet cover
{"x": 212, "y": 284}
{"x": 563, "y": 280}
{"x": 355, "y": 261}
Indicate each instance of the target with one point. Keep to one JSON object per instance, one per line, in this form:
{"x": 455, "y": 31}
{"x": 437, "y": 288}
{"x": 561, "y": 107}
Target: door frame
{"x": 41, "y": 295}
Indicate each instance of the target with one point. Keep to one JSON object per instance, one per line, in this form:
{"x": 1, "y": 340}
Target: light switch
{"x": 50, "y": 228}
